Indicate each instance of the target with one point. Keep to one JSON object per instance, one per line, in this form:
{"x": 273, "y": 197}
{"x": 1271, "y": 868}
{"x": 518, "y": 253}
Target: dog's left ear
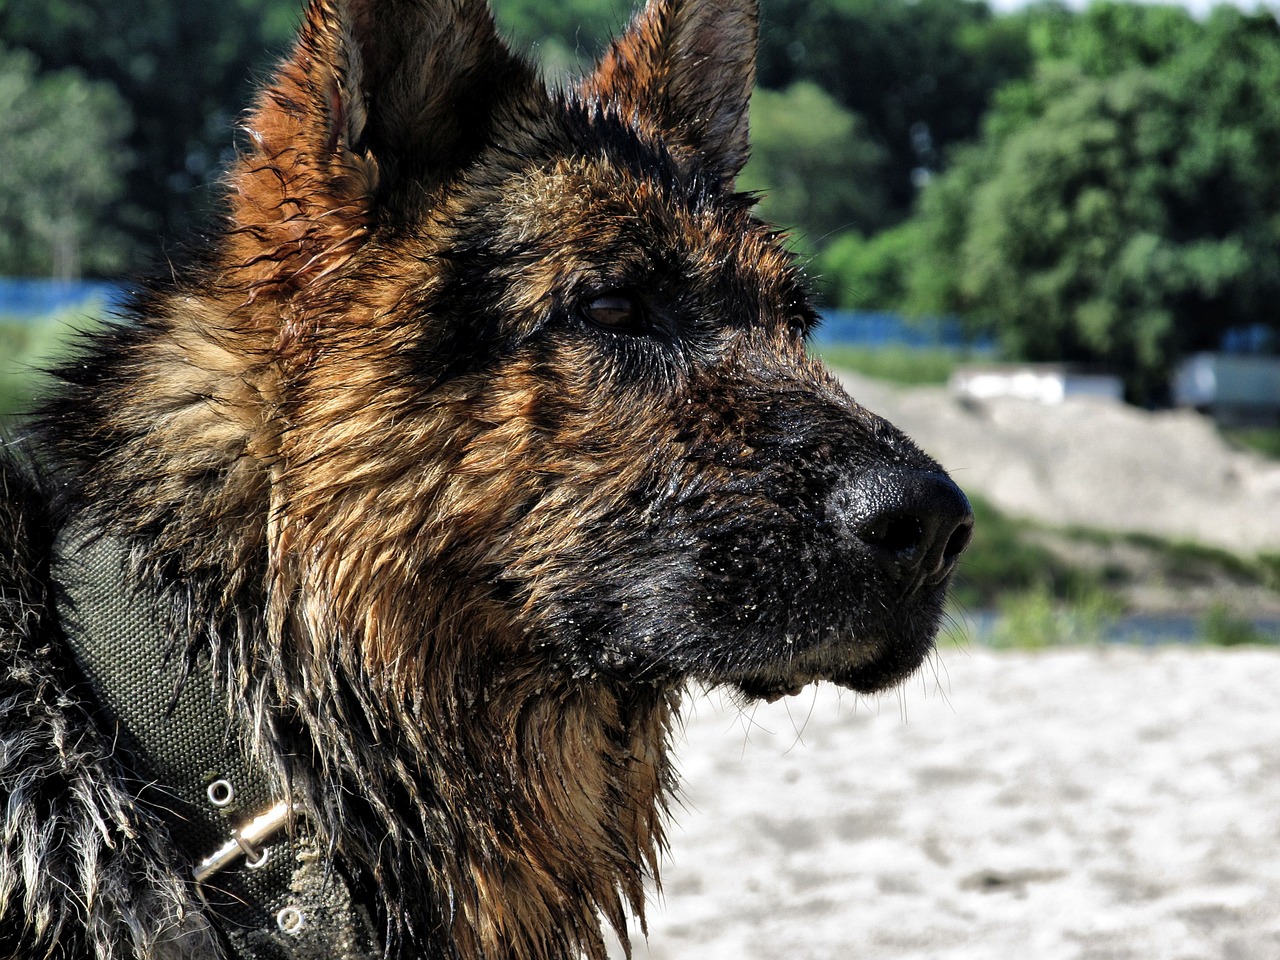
{"x": 687, "y": 66}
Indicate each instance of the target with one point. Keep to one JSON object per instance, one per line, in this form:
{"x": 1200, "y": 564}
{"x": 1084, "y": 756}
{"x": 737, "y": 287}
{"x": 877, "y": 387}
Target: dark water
{"x": 1145, "y": 630}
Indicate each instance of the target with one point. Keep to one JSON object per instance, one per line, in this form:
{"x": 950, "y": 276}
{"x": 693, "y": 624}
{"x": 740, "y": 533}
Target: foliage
{"x": 1269, "y": 567}
{"x": 568, "y": 35}
{"x": 1263, "y": 440}
{"x": 184, "y": 70}
{"x": 1010, "y": 555}
{"x": 920, "y": 74}
{"x": 1099, "y": 185}
{"x": 813, "y": 162}
{"x": 1005, "y": 559}
{"x": 1186, "y": 560}
{"x": 1107, "y": 37}
{"x": 1124, "y": 219}
{"x": 1016, "y": 568}
{"x": 17, "y": 379}
{"x": 859, "y": 98}
{"x": 61, "y": 167}
{"x": 1224, "y": 628}
{"x": 907, "y": 366}
{"x": 1034, "y": 619}
{"x": 868, "y": 273}
{"x": 27, "y": 348}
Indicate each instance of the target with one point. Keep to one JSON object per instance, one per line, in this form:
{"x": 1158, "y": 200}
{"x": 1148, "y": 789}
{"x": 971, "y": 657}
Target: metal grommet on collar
{"x": 186, "y": 736}
{"x": 221, "y": 793}
{"x": 254, "y": 858}
{"x": 290, "y": 920}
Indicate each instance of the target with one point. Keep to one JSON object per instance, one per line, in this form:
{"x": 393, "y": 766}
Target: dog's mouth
{"x": 866, "y": 609}
{"x": 865, "y": 668}
{"x": 868, "y": 680}
{"x": 845, "y": 583}
{"x": 840, "y": 624}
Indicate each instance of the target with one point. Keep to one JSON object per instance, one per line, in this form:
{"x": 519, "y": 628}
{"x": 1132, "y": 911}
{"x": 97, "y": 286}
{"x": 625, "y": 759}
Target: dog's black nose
{"x": 914, "y": 523}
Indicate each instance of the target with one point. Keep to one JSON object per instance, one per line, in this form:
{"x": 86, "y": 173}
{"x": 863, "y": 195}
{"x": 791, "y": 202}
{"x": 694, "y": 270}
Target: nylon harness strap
{"x": 274, "y": 894}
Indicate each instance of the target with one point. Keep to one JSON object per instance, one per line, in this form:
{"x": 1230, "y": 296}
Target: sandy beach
{"x": 1061, "y": 805}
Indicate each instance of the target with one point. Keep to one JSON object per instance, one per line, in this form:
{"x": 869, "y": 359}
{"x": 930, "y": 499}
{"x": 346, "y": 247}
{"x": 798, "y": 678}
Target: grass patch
{"x": 1269, "y": 566}
{"x": 1265, "y": 440}
{"x": 1007, "y": 553}
{"x": 1004, "y": 560}
{"x": 1016, "y": 569}
{"x": 1223, "y": 628}
{"x": 28, "y": 347}
{"x": 897, "y": 364}
{"x": 1036, "y": 619}
{"x": 1185, "y": 562}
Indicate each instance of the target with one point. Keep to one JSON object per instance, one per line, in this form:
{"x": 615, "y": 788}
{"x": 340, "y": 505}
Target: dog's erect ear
{"x": 687, "y": 66}
{"x": 380, "y": 102}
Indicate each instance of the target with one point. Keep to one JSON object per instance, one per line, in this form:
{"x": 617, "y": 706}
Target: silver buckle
{"x": 249, "y": 841}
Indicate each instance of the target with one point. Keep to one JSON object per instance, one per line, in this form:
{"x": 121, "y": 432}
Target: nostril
{"x": 893, "y": 534}
{"x": 958, "y": 542}
{"x": 954, "y": 546}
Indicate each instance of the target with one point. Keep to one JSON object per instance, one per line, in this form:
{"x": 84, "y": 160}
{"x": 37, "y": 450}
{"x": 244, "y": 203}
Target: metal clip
{"x": 247, "y": 841}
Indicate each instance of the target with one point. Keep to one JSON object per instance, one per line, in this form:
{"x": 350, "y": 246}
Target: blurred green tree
{"x": 1107, "y": 37}
{"x": 184, "y": 69}
{"x": 62, "y": 164}
{"x": 566, "y": 36}
{"x": 1125, "y": 217}
{"x": 920, "y": 74}
{"x": 857, "y": 272}
{"x": 916, "y": 75}
{"x": 816, "y": 169}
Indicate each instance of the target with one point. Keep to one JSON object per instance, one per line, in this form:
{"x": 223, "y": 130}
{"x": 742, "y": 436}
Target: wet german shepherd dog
{"x": 349, "y": 584}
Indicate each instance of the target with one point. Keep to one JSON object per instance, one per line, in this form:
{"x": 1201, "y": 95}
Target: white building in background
{"x": 1040, "y": 382}
{"x": 1236, "y": 388}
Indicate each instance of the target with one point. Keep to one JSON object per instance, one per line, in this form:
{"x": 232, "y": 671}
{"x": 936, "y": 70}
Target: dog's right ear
{"x": 687, "y": 66}
{"x": 380, "y": 103}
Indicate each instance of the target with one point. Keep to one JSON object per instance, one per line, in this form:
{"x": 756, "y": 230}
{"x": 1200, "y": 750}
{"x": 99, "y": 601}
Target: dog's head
{"x": 486, "y": 423}
{"x": 529, "y": 381}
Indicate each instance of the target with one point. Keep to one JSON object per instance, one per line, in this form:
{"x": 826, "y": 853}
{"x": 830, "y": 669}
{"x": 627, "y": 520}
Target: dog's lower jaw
{"x": 874, "y": 676}
{"x": 867, "y": 665}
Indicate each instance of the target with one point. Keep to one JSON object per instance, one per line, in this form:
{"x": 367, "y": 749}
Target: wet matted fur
{"x": 484, "y": 426}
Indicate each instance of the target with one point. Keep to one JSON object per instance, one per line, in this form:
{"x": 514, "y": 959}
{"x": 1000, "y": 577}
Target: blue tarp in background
{"x": 27, "y": 299}
{"x": 880, "y": 329}
{"x": 24, "y": 298}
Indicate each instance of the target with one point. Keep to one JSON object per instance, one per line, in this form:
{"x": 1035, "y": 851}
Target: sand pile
{"x": 1113, "y": 803}
{"x": 1094, "y": 464}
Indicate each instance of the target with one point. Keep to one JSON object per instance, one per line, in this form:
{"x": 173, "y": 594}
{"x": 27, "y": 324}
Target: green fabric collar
{"x": 274, "y": 894}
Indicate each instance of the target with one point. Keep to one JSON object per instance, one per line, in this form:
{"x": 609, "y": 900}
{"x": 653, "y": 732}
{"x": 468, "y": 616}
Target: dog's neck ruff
{"x": 265, "y": 885}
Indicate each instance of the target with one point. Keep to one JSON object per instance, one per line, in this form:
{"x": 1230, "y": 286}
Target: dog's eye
{"x": 615, "y": 311}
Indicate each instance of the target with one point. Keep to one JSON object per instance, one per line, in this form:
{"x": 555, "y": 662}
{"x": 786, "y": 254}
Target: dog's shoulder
{"x": 74, "y": 843}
